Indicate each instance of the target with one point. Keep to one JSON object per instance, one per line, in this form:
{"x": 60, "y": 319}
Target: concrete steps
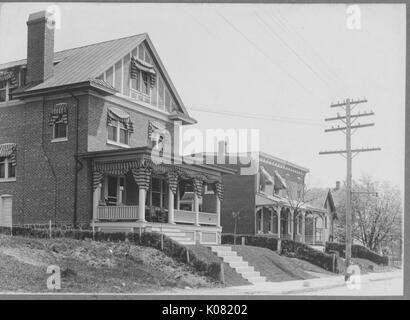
{"x": 175, "y": 234}
{"x": 236, "y": 262}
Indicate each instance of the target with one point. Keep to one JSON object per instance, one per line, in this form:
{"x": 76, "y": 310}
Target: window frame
{"x": 59, "y": 139}
{"x": 118, "y": 142}
{"x": 7, "y": 164}
{"x": 6, "y": 89}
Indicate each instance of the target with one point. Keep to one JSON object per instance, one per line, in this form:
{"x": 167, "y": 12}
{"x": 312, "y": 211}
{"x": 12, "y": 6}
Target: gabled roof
{"x": 321, "y": 199}
{"x": 81, "y": 64}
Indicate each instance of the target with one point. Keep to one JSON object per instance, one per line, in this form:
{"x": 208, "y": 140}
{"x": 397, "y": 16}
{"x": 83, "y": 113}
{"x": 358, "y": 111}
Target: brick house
{"x": 273, "y": 201}
{"x": 77, "y": 131}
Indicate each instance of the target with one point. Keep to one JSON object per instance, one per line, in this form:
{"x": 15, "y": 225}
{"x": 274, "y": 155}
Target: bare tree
{"x": 298, "y": 200}
{"x": 376, "y": 219}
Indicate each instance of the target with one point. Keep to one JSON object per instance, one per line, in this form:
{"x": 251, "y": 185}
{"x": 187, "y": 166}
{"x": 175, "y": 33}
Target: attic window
{"x": 144, "y": 75}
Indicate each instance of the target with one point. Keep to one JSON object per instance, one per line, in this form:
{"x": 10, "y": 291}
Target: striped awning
{"x": 154, "y": 126}
{"x": 266, "y": 178}
{"x": 140, "y": 65}
{"x": 141, "y": 169}
{"x": 59, "y": 114}
{"x": 116, "y": 114}
{"x": 8, "y": 75}
{"x": 279, "y": 181}
{"x": 219, "y": 190}
{"x": 8, "y": 150}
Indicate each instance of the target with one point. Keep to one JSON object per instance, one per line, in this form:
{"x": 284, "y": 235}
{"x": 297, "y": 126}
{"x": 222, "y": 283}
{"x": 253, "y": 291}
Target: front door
{"x": 112, "y": 190}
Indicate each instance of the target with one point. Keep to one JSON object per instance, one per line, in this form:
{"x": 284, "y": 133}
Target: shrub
{"x": 358, "y": 251}
{"x": 257, "y": 241}
{"x": 149, "y": 239}
{"x": 303, "y": 251}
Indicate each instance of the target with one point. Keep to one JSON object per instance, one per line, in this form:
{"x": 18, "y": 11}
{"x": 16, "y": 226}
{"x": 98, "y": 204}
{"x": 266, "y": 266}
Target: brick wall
{"x": 97, "y": 133}
{"x": 239, "y": 195}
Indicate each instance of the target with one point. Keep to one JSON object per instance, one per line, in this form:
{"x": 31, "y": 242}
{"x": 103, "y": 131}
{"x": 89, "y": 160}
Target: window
{"x": 4, "y": 91}
{"x": 159, "y": 193}
{"x": 7, "y": 170}
{"x": 118, "y": 133}
{"x": 60, "y": 131}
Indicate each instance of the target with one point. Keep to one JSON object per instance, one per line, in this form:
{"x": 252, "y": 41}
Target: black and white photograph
{"x": 209, "y": 150}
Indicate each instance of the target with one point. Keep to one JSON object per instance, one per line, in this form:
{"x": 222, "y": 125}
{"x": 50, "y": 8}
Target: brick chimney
{"x": 40, "y": 46}
{"x": 337, "y": 185}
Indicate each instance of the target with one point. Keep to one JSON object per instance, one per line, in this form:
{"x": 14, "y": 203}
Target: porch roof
{"x": 144, "y": 153}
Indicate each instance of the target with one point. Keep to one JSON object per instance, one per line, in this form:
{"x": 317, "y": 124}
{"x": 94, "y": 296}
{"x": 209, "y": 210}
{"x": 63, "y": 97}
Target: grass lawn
{"x": 91, "y": 267}
{"x": 279, "y": 268}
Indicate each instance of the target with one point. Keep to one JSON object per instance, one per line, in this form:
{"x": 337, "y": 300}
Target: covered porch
{"x": 274, "y": 218}
{"x": 132, "y": 193}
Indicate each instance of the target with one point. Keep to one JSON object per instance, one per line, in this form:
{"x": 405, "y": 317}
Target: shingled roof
{"x": 84, "y": 64}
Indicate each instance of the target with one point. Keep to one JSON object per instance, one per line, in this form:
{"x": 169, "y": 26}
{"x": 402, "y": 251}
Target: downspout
{"x": 48, "y": 160}
{"x": 78, "y": 165}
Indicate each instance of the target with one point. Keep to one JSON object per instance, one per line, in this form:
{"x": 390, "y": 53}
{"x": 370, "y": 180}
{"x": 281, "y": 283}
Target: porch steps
{"x": 236, "y": 262}
{"x": 175, "y": 234}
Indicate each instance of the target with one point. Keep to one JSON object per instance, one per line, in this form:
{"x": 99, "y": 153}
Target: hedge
{"x": 298, "y": 249}
{"x": 358, "y": 251}
{"x": 257, "y": 241}
{"x": 148, "y": 239}
{"x": 303, "y": 251}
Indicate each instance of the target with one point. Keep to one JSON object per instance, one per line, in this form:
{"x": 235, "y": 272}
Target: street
{"x": 373, "y": 284}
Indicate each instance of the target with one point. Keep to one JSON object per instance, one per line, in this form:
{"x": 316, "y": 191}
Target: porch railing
{"x": 131, "y": 213}
{"x": 117, "y": 213}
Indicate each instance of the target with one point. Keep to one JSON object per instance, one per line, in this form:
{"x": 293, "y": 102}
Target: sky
{"x": 275, "y": 67}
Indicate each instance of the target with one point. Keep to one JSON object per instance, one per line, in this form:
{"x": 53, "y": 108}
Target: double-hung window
{"x": 119, "y": 127}
{"x": 4, "y": 91}
{"x": 7, "y": 170}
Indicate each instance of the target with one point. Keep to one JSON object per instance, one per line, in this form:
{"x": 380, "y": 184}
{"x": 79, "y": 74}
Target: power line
{"x": 298, "y": 56}
{"x": 253, "y": 44}
{"x": 305, "y": 121}
{"x": 288, "y": 26}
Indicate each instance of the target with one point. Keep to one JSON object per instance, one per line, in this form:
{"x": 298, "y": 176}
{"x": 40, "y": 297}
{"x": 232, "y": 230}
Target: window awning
{"x": 266, "y": 178}
{"x": 140, "y": 65}
{"x": 279, "y": 181}
{"x": 7, "y": 75}
{"x": 116, "y": 114}
{"x": 59, "y": 114}
{"x": 8, "y": 150}
{"x": 154, "y": 126}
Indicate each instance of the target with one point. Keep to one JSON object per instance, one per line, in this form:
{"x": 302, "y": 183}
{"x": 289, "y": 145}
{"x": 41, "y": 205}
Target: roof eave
{"x": 67, "y": 87}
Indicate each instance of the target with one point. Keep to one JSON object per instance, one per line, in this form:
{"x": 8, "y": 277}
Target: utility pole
{"x": 349, "y": 119}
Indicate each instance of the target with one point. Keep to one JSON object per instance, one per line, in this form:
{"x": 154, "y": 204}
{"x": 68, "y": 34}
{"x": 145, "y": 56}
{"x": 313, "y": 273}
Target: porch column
{"x": 261, "y": 226}
{"x": 196, "y": 208}
{"x": 314, "y": 230}
{"x": 290, "y": 216}
{"x": 303, "y": 226}
{"x": 170, "y": 206}
{"x": 271, "y": 219}
{"x": 278, "y": 212}
{"x": 178, "y": 199}
{"x": 141, "y": 204}
{"x": 96, "y": 200}
{"x": 218, "y": 211}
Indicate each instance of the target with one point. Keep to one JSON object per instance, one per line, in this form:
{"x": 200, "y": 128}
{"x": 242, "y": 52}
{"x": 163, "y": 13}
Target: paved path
{"x": 387, "y": 283}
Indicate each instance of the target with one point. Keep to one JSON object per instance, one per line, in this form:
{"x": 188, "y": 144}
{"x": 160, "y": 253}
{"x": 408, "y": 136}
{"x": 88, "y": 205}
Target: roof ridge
{"x": 81, "y": 47}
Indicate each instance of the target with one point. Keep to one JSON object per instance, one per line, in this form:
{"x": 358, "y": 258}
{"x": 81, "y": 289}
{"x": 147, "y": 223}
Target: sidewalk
{"x": 286, "y": 287}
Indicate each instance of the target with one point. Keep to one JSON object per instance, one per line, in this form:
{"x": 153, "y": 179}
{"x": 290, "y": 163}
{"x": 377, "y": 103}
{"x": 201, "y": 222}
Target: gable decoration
{"x": 115, "y": 114}
{"x": 140, "y": 65}
{"x": 59, "y": 114}
{"x": 8, "y": 150}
